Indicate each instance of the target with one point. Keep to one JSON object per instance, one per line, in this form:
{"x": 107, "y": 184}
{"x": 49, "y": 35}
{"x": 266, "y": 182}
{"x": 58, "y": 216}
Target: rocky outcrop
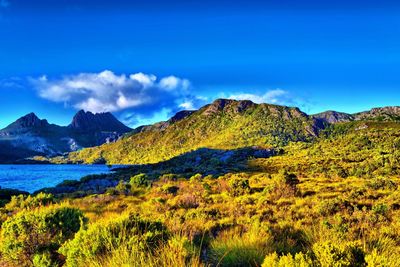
{"x": 391, "y": 113}
{"x": 30, "y": 136}
{"x": 331, "y": 117}
{"x": 100, "y": 122}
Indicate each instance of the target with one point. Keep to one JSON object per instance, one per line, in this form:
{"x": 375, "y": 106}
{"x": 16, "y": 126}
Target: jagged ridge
{"x": 31, "y": 136}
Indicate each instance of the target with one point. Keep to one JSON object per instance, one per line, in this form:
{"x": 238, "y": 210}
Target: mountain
{"x": 223, "y": 124}
{"x": 28, "y": 121}
{"x": 89, "y": 122}
{"x": 95, "y": 129}
{"x": 391, "y": 114}
{"x": 30, "y": 136}
{"x": 164, "y": 124}
{"x": 333, "y": 117}
{"x": 380, "y": 114}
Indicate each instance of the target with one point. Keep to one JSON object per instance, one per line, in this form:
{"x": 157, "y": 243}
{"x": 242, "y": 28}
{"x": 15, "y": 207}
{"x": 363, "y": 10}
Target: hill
{"x": 223, "y": 124}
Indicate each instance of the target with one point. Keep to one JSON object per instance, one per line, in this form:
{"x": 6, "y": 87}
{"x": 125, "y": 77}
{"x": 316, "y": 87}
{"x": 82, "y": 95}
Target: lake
{"x": 34, "y": 177}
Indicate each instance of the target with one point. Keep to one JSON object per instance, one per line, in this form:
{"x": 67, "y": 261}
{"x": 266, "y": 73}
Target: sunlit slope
{"x": 224, "y": 124}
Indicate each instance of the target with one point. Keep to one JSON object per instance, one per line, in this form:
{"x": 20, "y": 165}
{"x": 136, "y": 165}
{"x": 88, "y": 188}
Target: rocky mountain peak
{"x": 331, "y": 116}
{"x": 28, "y": 121}
{"x": 390, "y": 113}
{"x": 87, "y": 121}
{"x": 181, "y": 115}
{"x": 222, "y": 104}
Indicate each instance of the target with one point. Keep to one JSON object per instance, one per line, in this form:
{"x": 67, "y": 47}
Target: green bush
{"x": 330, "y": 254}
{"x": 382, "y": 183}
{"x": 380, "y": 209}
{"x": 287, "y": 239}
{"x": 128, "y": 231}
{"x": 288, "y": 178}
{"x": 377, "y": 259}
{"x": 139, "y": 180}
{"x": 298, "y": 260}
{"x": 122, "y": 187}
{"x": 44, "y": 259}
{"x": 239, "y": 186}
{"x": 33, "y": 232}
{"x": 169, "y": 189}
{"x": 29, "y": 202}
{"x": 234, "y": 249}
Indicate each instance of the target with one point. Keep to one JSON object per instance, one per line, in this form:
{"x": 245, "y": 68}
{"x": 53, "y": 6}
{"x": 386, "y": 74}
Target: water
{"x": 34, "y": 177}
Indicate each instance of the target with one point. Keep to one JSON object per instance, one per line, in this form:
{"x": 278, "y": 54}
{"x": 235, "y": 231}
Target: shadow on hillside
{"x": 204, "y": 161}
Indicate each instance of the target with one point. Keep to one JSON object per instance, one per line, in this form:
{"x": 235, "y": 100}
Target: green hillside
{"x": 224, "y": 124}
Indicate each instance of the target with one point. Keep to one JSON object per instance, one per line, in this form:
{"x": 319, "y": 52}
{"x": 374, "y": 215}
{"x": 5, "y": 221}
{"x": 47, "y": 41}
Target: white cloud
{"x": 146, "y": 80}
{"x": 277, "y": 96}
{"x": 106, "y": 91}
{"x": 188, "y": 105}
{"x": 172, "y": 83}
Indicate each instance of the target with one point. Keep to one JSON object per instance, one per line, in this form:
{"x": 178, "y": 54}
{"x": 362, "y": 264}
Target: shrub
{"x": 34, "y": 232}
{"x": 169, "y": 189}
{"x": 382, "y": 183}
{"x": 100, "y": 239}
{"x": 329, "y": 254}
{"x": 29, "y": 202}
{"x": 384, "y": 252}
{"x": 169, "y": 177}
{"x": 139, "y": 180}
{"x": 376, "y": 259}
{"x": 287, "y": 239}
{"x": 122, "y": 187}
{"x": 44, "y": 259}
{"x": 196, "y": 178}
{"x": 298, "y": 260}
{"x": 287, "y": 178}
{"x": 284, "y": 185}
{"x": 179, "y": 251}
{"x": 235, "y": 249}
{"x": 380, "y": 209}
{"x": 239, "y": 186}
{"x": 332, "y": 206}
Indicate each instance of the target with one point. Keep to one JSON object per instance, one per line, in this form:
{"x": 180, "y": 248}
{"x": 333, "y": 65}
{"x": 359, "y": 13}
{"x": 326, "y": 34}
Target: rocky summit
{"x": 30, "y": 136}
{"x": 99, "y": 122}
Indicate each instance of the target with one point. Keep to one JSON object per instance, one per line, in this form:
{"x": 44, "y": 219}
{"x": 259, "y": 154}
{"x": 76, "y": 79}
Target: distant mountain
{"x": 89, "y": 122}
{"x": 380, "y": 114}
{"x": 333, "y": 117}
{"x": 26, "y": 122}
{"x": 375, "y": 114}
{"x": 30, "y": 136}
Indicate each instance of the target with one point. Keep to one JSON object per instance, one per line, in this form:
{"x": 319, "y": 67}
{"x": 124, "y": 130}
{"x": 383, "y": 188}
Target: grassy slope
{"x": 358, "y": 208}
{"x": 223, "y": 126}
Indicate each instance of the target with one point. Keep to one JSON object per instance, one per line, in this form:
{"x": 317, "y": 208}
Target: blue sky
{"x": 145, "y": 61}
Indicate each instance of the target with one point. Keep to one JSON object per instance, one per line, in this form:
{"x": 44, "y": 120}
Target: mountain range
{"x": 30, "y": 136}
{"x": 223, "y": 124}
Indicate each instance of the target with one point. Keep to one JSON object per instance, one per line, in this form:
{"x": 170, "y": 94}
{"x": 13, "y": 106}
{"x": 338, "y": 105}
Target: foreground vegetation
{"x": 334, "y": 201}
